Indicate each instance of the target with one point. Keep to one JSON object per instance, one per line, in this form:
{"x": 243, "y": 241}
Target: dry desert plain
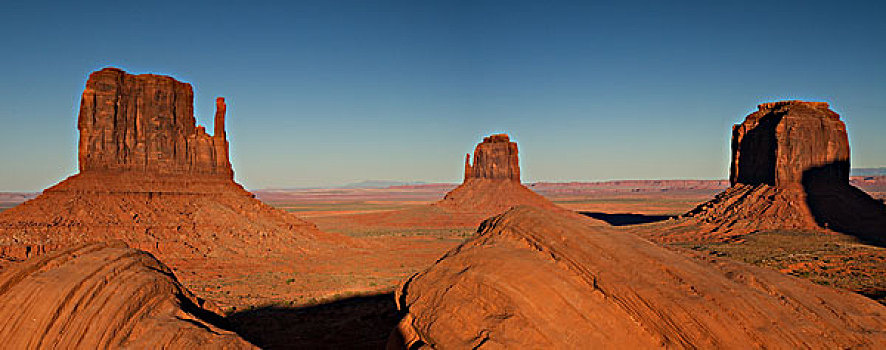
{"x": 347, "y": 300}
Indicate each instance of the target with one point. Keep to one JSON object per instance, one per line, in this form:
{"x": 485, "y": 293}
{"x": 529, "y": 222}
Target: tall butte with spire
{"x": 492, "y": 183}
{"x": 151, "y": 177}
{"x": 789, "y": 170}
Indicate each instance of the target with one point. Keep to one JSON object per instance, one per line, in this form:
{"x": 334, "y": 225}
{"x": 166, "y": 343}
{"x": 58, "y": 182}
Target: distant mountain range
{"x": 867, "y": 172}
{"x": 380, "y": 184}
{"x": 353, "y": 185}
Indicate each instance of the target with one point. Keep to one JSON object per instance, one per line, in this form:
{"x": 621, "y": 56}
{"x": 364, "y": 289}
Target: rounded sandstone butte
{"x": 783, "y": 142}
{"x": 146, "y": 123}
{"x": 104, "y": 296}
{"x": 533, "y": 279}
{"x": 495, "y": 158}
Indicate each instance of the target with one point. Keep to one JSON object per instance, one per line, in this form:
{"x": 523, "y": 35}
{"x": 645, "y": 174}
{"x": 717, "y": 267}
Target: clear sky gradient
{"x": 330, "y": 92}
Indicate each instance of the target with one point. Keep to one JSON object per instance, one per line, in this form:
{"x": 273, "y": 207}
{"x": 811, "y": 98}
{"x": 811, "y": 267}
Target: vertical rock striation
{"x": 494, "y": 158}
{"x": 146, "y": 123}
{"x": 781, "y": 141}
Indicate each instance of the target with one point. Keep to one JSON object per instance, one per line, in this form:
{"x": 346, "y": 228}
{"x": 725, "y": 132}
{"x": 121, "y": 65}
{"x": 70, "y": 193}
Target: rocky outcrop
{"x": 494, "y": 158}
{"x": 103, "y": 296}
{"x": 492, "y": 183}
{"x": 146, "y": 123}
{"x": 534, "y": 278}
{"x": 154, "y": 179}
{"x": 790, "y": 170}
{"x": 782, "y": 141}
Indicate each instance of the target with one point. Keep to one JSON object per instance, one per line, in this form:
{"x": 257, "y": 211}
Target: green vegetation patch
{"x": 829, "y": 259}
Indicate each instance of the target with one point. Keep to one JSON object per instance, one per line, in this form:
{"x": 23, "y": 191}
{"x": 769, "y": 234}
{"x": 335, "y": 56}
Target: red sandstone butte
{"x": 538, "y": 279}
{"x": 104, "y": 296}
{"x": 146, "y": 123}
{"x": 782, "y": 141}
{"x": 789, "y": 170}
{"x": 492, "y": 184}
{"x": 151, "y": 177}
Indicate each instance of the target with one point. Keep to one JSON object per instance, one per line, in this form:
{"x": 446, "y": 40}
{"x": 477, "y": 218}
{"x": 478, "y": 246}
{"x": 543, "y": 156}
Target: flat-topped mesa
{"x": 790, "y": 171}
{"x": 146, "y": 123}
{"x": 494, "y": 158}
{"x": 786, "y": 140}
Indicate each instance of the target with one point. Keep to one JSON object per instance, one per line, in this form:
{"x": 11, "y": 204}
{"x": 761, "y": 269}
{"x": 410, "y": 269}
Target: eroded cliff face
{"x": 782, "y": 141}
{"x": 494, "y": 158}
{"x": 104, "y": 296}
{"x": 537, "y": 279}
{"x": 790, "y": 170}
{"x": 146, "y": 123}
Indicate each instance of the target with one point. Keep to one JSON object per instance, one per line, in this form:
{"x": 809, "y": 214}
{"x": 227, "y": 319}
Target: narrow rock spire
{"x": 220, "y": 109}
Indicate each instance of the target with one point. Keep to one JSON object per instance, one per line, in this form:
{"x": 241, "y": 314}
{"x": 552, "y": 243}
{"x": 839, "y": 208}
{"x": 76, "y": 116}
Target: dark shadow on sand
{"x": 841, "y": 207}
{"x": 362, "y": 322}
{"x": 625, "y": 219}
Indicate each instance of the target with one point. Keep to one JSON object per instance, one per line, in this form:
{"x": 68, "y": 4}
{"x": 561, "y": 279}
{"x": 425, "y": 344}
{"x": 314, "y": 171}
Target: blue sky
{"x": 331, "y": 92}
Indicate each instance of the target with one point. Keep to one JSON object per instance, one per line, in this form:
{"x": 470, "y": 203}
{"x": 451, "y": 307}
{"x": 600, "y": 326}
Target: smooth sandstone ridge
{"x": 492, "y": 184}
{"x": 532, "y": 279}
{"x": 151, "y": 177}
{"x": 102, "y": 296}
{"x": 790, "y": 170}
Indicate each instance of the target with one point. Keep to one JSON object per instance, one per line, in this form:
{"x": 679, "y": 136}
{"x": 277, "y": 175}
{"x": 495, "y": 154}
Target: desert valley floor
{"x": 346, "y": 300}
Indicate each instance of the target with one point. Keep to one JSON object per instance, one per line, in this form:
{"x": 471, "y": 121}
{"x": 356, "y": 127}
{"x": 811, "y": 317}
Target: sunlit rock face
{"x": 494, "y": 158}
{"x": 537, "y": 279}
{"x": 146, "y": 123}
{"x": 789, "y": 171}
{"x": 782, "y": 141}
